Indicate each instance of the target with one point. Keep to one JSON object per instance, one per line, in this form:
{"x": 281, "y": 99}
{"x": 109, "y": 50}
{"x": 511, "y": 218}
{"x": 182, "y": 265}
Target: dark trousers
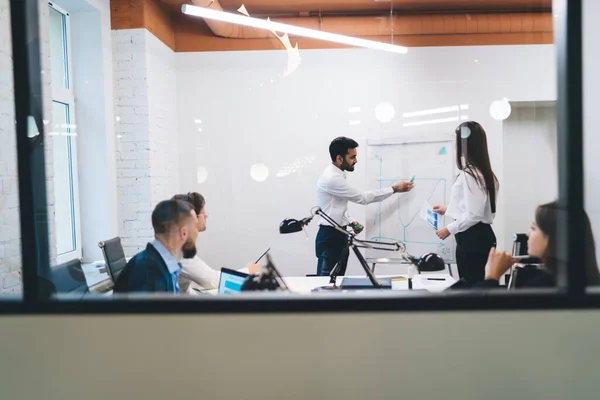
{"x": 472, "y": 250}
{"x": 331, "y": 248}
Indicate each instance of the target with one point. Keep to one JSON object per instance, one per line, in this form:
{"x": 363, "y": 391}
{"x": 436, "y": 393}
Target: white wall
{"x": 147, "y": 159}
{"x": 249, "y": 115}
{"x": 163, "y": 122}
{"x": 530, "y": 164}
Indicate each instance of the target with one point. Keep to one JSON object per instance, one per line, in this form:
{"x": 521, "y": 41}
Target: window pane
{"x": 58, "y": 49}
{"x": 10, "y": 231}
{"x": 63, "y": 178}
{"x": 591, "y": 119}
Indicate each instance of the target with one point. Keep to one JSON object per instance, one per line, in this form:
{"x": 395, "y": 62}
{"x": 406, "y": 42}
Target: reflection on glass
{"x": 500, "y": 109}
{"x": 58, "y": 50}
{"x": 294, "y": 166}
{"x": 63, "y": 179}
{"x": 259, "y": 172}
{"x": 384, "y": 112}
{"x": 201, "y": 174}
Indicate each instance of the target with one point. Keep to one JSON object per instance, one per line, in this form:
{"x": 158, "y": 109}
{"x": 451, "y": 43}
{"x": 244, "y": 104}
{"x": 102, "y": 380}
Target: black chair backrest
{"x": 69, "y": 278}
{"x": 114, "y": 256}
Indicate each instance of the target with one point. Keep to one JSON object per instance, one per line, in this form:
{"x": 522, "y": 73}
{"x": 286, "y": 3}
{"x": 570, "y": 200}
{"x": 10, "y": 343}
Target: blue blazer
{"x": 145, "y": 272}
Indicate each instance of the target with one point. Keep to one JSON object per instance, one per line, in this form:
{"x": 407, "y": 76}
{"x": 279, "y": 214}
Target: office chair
{"x": 519, "y": 250}
{"x": 114, "y": 256}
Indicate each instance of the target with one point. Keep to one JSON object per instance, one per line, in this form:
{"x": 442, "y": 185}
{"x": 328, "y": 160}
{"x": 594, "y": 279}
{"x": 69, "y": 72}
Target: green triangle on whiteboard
{"x": 442, "y": 151}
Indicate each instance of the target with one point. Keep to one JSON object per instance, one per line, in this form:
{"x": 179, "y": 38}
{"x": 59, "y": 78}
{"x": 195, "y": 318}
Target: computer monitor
{"x": 231, "y": 281}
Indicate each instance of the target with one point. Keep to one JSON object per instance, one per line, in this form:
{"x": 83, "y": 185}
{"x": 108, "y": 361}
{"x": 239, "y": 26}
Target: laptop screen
{"x": 231, "y": 281}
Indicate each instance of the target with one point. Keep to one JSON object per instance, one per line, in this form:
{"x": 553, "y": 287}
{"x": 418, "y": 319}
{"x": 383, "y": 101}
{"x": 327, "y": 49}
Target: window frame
{"x": 570, "y": 294}
{"x": 66, "y": 96}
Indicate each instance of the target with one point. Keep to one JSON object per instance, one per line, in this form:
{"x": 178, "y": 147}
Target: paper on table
{"x": 428, "y": 215}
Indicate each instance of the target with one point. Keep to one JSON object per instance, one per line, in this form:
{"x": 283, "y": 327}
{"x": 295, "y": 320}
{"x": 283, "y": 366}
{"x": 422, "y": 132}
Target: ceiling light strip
{"x": 289, "y": 29}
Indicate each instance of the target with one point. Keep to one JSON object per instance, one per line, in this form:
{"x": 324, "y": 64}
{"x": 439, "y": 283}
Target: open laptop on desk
{"x": 349, "y": 283}
{"x": 231, "y": 281}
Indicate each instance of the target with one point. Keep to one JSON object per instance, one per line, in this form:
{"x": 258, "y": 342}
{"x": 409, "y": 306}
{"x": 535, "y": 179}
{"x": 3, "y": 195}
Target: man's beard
{"x": 347, "y": 167}
{"x": 189, "y": 250}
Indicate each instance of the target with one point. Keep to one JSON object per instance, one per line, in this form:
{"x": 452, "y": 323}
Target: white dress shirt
{"x": 469, "y": 204}
{"x": 334, "y": 193}
{"x": 195, "y": 270}
{"x": 196, "y": 273}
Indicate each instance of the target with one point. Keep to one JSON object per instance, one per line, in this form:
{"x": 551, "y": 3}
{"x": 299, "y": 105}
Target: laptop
{"x": 364, "y": 283}
{"x": 231, "y": 281}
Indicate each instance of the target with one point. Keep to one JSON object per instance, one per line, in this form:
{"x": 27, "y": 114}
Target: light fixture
{"x": 440, "y": 110}
{"x": 259, "y": 172}
{"x": 384, "y": 112}
{"x": 201, "y": 174}
{"x": 289, "y": 29}
{"x": 432, "y": 121}
{"x": 500, "y": 109}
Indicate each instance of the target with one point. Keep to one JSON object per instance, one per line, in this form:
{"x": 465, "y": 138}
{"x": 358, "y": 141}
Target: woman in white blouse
{"x": 472, "y": 203}
{"x": 195, "y": 273}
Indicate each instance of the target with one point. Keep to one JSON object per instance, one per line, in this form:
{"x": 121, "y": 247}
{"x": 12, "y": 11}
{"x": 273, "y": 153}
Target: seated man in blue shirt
{"x": 157, "y": 268}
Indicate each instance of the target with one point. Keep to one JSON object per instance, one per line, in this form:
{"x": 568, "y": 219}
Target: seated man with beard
{"x": 157, "y": 268}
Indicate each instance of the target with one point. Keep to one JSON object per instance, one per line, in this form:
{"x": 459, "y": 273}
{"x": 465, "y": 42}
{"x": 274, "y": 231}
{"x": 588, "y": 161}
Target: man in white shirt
{"x": 333, "y": 195}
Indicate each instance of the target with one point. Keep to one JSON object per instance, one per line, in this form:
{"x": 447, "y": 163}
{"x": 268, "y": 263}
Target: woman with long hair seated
{"x": 195, "y": 270}
{"x": 542, "y": 244}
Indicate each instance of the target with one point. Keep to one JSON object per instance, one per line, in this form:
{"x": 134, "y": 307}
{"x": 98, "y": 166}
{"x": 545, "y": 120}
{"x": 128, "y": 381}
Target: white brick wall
{"x": 10, "y": 235}
{"x": 162, "y": 95}
{"x": 146, "y": 129}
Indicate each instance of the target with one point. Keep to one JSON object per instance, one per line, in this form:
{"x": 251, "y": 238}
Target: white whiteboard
{"x": 431, "y": 162}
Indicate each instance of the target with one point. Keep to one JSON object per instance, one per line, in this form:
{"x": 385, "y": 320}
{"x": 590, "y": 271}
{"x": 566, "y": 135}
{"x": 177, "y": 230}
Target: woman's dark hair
{"x": 340, "y": 146}
{"x": 194, "y": 198}
{"x": 546, "y": 217}
{"x": 471, "y": 143}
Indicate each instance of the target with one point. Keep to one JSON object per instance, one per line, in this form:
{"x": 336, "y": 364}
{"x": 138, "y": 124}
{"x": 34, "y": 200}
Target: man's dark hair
{"x": 340, "y": 146}
{"x": 194, "y": 198}
{"x": 170, "y": 213}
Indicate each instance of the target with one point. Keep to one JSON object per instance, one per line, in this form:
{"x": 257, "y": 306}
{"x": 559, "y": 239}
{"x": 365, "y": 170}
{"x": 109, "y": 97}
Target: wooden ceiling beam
{"x": 149, "y": 14}
{"x": 188, "y": 34}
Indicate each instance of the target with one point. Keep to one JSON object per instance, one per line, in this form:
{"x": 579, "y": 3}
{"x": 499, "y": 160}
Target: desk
{"x": 398, "y": 261}
{"x": 101, "y": 282}
{"x": 305, "y": 284}
{"x": 97, "y": 277}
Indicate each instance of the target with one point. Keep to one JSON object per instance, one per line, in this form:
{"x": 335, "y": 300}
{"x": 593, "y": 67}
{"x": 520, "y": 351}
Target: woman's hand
{"x": 253, "y": 268}
{"x": 439, "y": 209}
{"x": 443, "y": 233}
{"x": 498, "y": 263}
